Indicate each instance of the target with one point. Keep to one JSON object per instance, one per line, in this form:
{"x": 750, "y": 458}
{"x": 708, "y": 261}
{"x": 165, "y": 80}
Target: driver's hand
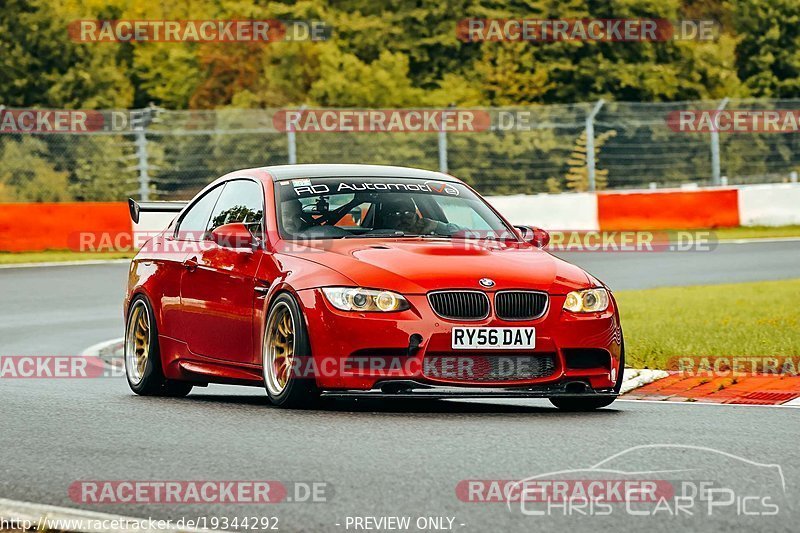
{"x": 446, "y": 229}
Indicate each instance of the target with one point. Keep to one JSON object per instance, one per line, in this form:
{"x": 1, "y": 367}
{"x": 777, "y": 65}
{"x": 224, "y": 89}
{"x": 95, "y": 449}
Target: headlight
{"x": 357, "y": 299}
{"x": 587, "y": 301}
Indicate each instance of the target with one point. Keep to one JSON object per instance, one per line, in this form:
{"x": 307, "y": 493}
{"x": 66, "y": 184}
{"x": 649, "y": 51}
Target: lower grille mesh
{"x": 487, "y": 367}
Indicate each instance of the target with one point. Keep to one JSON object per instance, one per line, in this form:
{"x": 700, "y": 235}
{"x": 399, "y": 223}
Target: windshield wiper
{"x": 378, "y": 235}
{"x": 430, "y": 235}
{"x": 397, "y": 234}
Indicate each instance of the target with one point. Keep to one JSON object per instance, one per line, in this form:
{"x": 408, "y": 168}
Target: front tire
{"x": 590, "y": 404}
{"x": 143, "y": 355}
{"x": 284, "y": 351}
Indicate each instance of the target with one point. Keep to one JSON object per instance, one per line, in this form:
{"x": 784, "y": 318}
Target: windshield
{"x": 336, "y": 208}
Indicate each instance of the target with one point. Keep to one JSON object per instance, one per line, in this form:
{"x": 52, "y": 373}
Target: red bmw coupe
{"x": 358, "y": 281}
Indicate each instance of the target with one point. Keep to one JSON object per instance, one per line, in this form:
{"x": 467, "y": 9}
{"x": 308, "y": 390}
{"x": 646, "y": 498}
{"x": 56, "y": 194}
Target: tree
{"x": 41, "y": 67}
{"x": 577, "y": 177}
{"x": 768, "y": 52}
{"x": 28, "y": 175}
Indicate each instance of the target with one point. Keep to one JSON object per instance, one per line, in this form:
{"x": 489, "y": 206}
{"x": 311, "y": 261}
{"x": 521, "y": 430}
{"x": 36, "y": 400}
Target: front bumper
{"x": 380, "y": 345}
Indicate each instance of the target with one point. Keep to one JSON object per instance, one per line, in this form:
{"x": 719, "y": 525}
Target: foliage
{"x": 399, "y": 53}
{"x": 577, "y": 177}
{"x": 27, "y": 174}
{"x": 99, "y": 167}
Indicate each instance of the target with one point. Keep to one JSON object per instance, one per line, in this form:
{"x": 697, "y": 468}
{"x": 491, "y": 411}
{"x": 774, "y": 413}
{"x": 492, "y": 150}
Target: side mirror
{"x": 536, "y": 236}
{"x": 235, "y": 235}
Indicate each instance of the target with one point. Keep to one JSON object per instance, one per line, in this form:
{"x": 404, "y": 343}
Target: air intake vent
{"x": 460, "y": 305}
{"x": 520, "y": 305}
{"x": 488, "y": 367}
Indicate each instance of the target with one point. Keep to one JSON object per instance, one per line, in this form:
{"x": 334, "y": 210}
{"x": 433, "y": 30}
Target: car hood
{"x": 416, "y": 266}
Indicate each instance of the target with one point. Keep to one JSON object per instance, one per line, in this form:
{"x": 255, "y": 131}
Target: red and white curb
{"x": 111, "y": 351}
{"x": 766, "y": 389}
{"x": 48, "y": 264}
{"x": 105, "y": 348}
{"x": 16, "y": 515}
{"x": 633, "y": 378}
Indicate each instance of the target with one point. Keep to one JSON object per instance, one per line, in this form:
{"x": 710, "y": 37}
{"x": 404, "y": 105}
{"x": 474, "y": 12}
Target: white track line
{"x": 48, "y": 516}
{"x": 95, "y": 349}
{"x": 66, "y": 263}
{"x": 634, "y": 378}
{"x": 757, "y": 240}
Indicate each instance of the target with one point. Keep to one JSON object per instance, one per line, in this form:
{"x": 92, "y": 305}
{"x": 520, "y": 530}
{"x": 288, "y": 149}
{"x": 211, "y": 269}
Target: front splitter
{"x": 416, "y": 389}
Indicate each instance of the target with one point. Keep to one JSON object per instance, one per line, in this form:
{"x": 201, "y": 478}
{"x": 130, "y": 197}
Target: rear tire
{"x": 590, "y": 404}
{"x": 143, "y": 355}
{"x": 285, "y": 354}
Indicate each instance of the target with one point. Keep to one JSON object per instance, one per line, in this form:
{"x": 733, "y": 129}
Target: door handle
{"x": 191, "y": 263}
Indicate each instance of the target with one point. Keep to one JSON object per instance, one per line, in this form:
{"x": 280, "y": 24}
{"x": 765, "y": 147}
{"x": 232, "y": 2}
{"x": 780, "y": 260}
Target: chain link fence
{"x": 159, "y": 154}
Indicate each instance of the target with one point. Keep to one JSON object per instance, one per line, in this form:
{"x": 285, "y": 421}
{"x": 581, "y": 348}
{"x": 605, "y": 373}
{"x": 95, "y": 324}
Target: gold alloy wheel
{"x": 137, "y": 342}
{"x": 279, "y": 348}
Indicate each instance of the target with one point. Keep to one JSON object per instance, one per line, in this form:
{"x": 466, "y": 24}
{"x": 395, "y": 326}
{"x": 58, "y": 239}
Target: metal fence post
{"x": 442, "y": 151}
{"x": 139, "y": 121}
{"x": 715, "y": 165}
{"x": 292, "y": 141}
{"x": 590, "y": 143}
{"x": 443, "y": 144}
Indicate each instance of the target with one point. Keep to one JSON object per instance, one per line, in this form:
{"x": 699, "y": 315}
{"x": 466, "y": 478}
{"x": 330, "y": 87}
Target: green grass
{"x": 743, "y": 319}
{"x": 8, "y": 258}
{"x": 755, "y": 232}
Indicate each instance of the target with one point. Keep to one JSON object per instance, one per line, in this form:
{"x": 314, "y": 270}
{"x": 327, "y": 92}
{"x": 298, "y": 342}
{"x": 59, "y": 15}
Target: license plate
{"x": 494, "y": 338}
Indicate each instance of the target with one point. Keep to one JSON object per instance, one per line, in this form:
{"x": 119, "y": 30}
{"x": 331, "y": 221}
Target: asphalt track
{"x": 377, "y": 459}
{"x": 726, "y": 263}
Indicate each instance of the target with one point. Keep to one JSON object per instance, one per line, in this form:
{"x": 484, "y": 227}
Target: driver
{"x": 292, "y": 217}
{"x": 401, "y": 214}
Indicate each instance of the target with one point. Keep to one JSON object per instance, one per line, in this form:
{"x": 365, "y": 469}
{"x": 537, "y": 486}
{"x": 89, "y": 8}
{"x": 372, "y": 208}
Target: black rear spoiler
{"x": 137, "y": 208}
